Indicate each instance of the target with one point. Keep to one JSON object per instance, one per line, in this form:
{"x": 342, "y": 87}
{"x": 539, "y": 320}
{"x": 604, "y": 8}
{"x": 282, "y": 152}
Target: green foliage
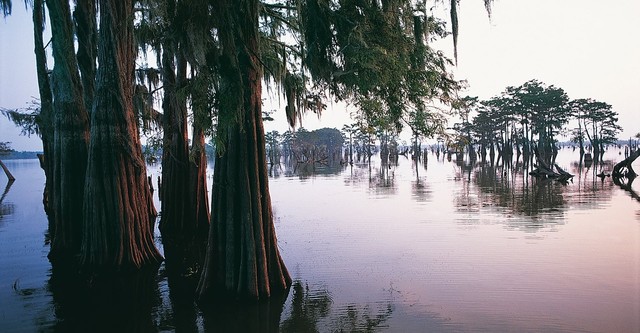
{"x": 272, "y": 138}
{"x": 28, "y": 119}
{"x": 546, "y": 107}
{"x": 537, "y": 112}
{"x": 374, "y": 55}
{"x": 597, "y": 119}
{"x": 152, "y": 151}
{"x": 149, "y": 119}
{"x": 330, "y": 138}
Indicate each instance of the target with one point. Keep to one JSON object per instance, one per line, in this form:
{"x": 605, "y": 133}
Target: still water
{"x": 438, "y": 247}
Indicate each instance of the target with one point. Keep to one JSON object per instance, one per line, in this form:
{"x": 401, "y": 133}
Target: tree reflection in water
{"x": 181, "y": 315}
{"x": 240, "y": 316}
{"x": 291, "y": 167}
{"x": 307, "y": 308}
{"x": 121, "y": 302}
{"x": 6, "y": 208}
{"x": 310, "y": 310}
{"x": 626, "y": 183}
{"x": 507, "y": 189}
{"x": 161, "y": 302}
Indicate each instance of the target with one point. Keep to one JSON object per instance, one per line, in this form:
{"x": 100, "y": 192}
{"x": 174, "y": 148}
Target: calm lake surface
{"x": 442, "y": 247}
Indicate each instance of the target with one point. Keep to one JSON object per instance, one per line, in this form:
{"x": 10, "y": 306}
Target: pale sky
{"x": 590, "y": 48}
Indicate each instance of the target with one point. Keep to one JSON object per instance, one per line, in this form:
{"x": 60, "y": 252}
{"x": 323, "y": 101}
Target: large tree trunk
{"x": 117, "y": 214}
{"x": 185, "y": 248}
{"x": 71, "y": 136}
{"x": 185, "y": 210}
{"x": 179, "y": 226}
{"x": 45, "y": 123}
{"x": 242, "y": 259}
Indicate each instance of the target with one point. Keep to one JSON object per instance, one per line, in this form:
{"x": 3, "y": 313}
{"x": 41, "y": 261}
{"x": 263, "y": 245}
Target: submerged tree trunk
{"x": 7, "y": 172}
{"x": 117, "y": 214}
{"x": 71, "y": 136}
{"x": 242, "y": 259}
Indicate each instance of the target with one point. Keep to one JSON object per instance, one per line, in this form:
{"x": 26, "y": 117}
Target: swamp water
{"x": 445, "y": 247}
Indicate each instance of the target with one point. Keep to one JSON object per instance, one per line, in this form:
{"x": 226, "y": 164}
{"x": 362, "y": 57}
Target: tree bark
{"x": 185, "y": 248}
{"x": 198, "y": 190}
{"x": 242, "y": 258}
{"x": 175, "y": 156}
{"x": 46, "y": 110}
{"x": 117, "y": 214}
{"x": 183, "y": 192}
{"x": 71, "y": 136}
{"x": 86, "y": 30}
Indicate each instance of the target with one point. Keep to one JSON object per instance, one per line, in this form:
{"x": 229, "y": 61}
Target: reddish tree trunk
{"x": 242, "y": 254}
{"x": 117, "y": 213}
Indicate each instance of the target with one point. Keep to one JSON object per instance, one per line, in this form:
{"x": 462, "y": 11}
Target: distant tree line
{"x": 323, "y": 146}
{"x": 532, "y": 117}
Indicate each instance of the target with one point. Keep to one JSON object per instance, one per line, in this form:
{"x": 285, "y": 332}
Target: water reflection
{"x": 311, "y": 309}
{"x": 307, "y": 308}
{"x": 6, "y": 208}
{"x": 289, "y": 167}
{"x": 179, "y": 312}
{"x": 517, "y": 192}
{"x": 233, "y": 316}
{"x": 511, "y": 190}
{"x": 401, "y": 247}
{"x": 122, "y": 302}
{"x": 628, "y": 187}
